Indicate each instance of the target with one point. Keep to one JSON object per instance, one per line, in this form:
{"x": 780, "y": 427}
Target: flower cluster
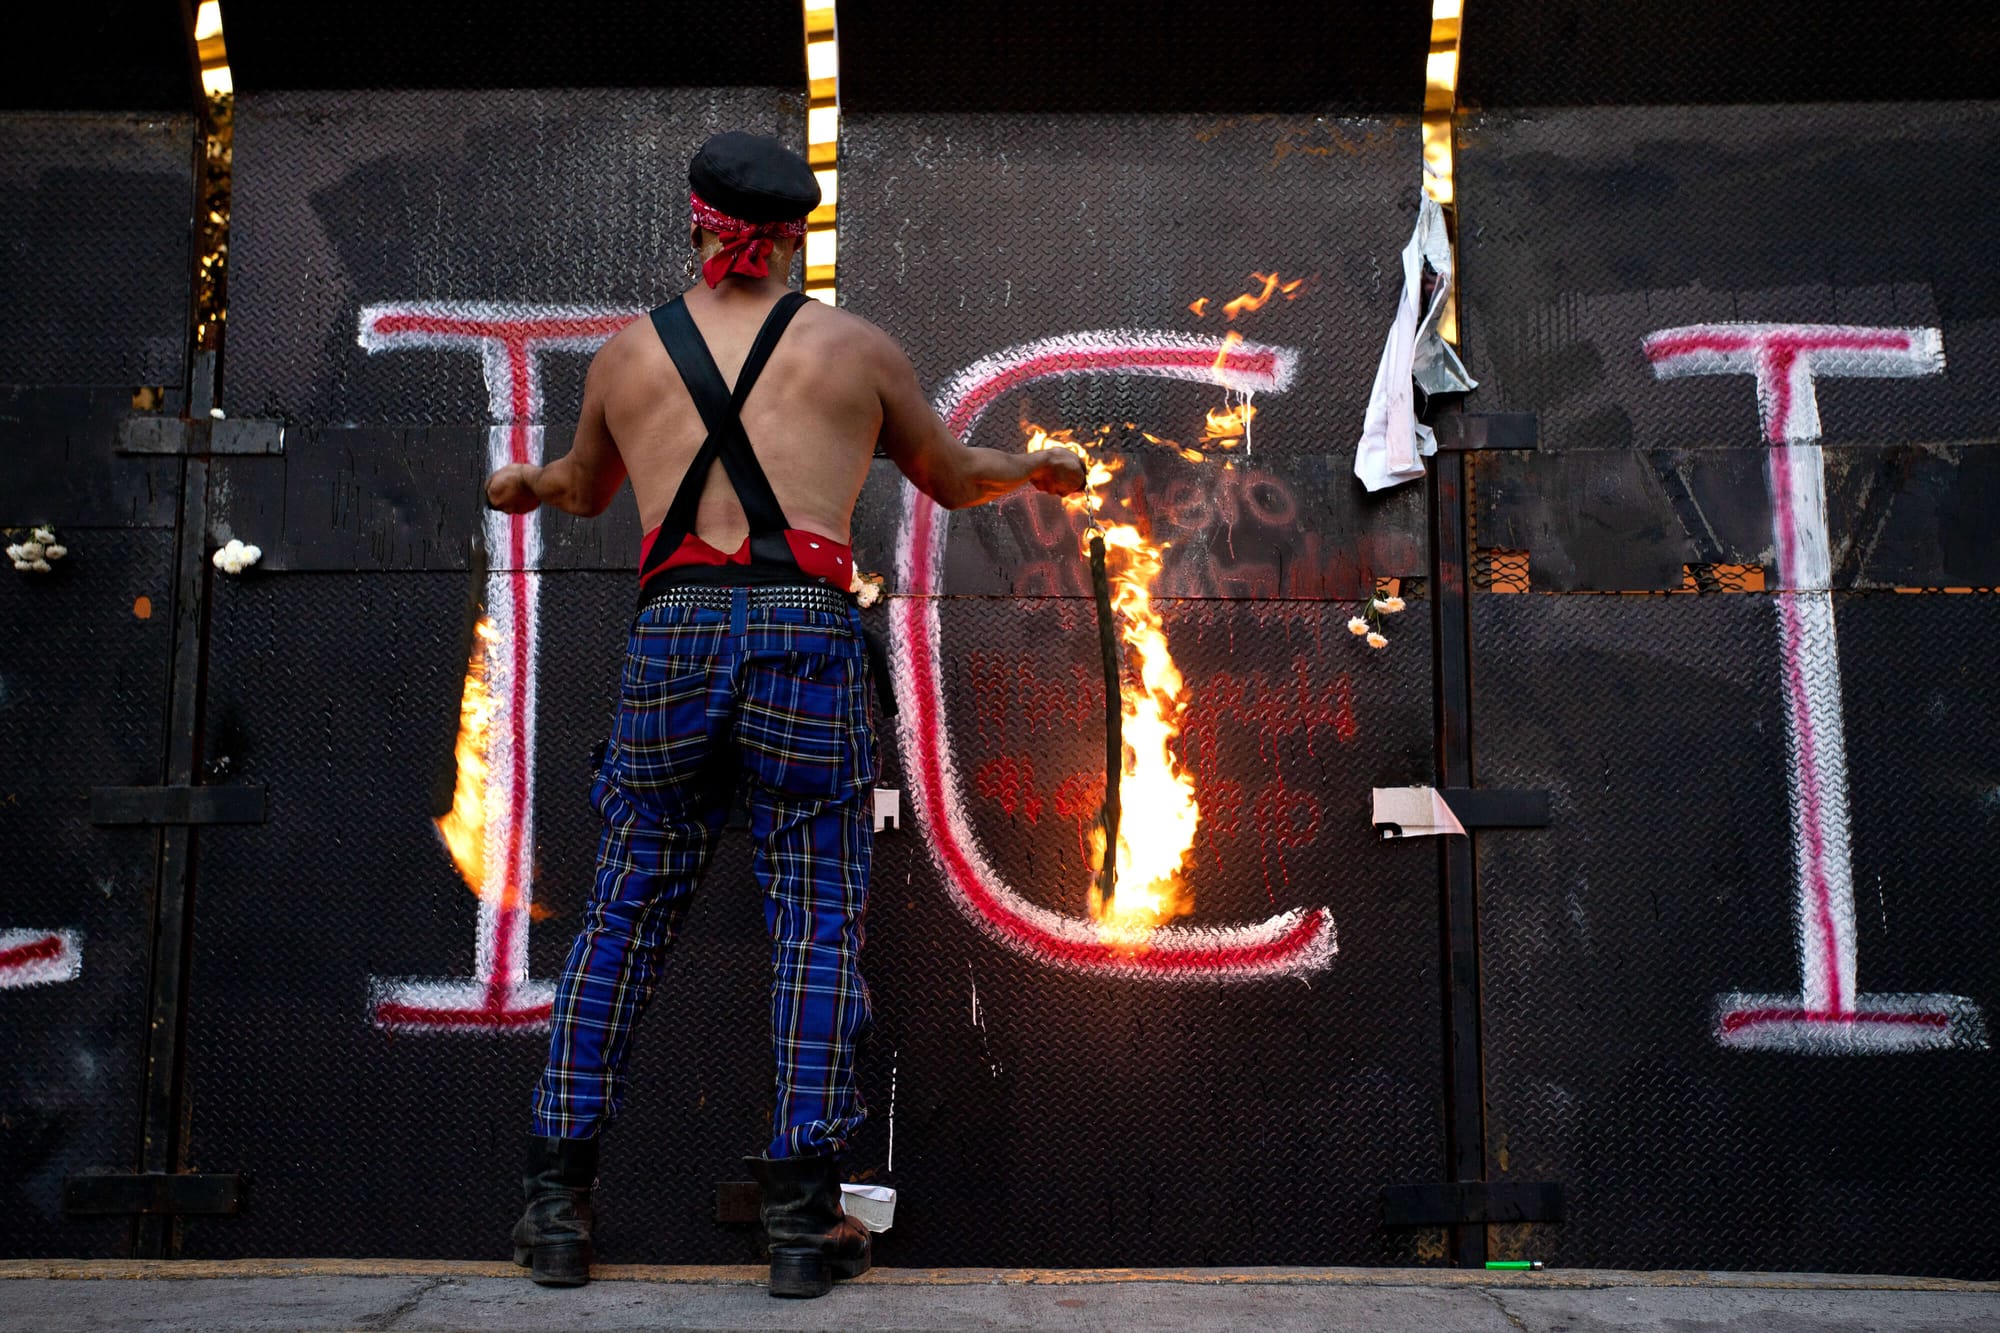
{"x": 236, "y": 557}
{"x": 33, "y": 555}
{"x": 1369, "y": 623}
{"x": 867, "y": 588}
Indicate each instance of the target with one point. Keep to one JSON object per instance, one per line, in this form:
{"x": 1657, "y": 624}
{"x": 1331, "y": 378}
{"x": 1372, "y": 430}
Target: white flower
{"x": 236, "y": 557}
{"x": 1377, "y": 641}
{"x": 56, "y": 552}
{"x": 32, "y": 551}
{"x": 1391, "y": 605}
{"x": 43, "y": 535}
{"x": 868, "y": 593}
{"x": 215, "y": 412}
{"x": 1357, "y": 625}
{"x": 39, "y": 566}
{"x": 14, "y": 551}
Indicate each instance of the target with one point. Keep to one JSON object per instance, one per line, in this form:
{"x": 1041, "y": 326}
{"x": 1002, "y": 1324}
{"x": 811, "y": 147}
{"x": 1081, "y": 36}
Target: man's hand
{"x": 1058, "y": 472}
{"x": 511, "y": 489}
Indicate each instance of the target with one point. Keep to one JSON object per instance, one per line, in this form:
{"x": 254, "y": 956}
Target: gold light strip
{"x": 1440, "y": 105}
{"x": 208, "y": 45}
{"x": 822, "y": 146}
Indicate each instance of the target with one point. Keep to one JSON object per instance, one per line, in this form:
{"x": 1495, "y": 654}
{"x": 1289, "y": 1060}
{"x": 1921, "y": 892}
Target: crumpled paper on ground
{"x": 1394, "y": 443}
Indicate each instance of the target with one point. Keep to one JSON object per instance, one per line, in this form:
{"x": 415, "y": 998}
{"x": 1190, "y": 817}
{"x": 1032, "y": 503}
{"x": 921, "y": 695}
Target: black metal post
{"x": 160, "y": 1146}
{"x": 1465, "y": 1084}
{"x": 1114, "y": 719}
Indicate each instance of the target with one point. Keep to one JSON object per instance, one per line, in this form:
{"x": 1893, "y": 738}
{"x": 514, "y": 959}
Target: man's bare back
{"x": 834, "y": 388}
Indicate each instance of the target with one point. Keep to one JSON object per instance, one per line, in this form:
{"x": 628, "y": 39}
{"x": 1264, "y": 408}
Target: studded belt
{"x": 802, "y": 597}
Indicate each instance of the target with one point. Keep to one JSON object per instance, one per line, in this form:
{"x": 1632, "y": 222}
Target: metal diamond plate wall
{"x": 1027, "y": 1096}
{"x": 83, "y": 700}
{"x": 1585, "y": 230}
{"x": 967, "y": 235}
{"x": 94, "y": 278}
{"x": 338, "y": 692}
{"x": 560, "y": 197}
{"x": 1667, "y": 881}
{"x": 1027, "y": 1099}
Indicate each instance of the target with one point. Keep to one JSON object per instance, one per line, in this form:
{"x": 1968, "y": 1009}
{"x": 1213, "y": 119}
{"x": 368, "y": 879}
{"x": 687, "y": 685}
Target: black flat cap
{"x": 754, "y": 178}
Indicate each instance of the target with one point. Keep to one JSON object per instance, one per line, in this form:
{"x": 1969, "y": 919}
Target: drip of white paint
{"x": 895, "y": 1064}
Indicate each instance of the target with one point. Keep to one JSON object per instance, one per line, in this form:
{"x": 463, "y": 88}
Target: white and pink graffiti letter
{"x": 1829, "y": 1015}
{"x": 1294, "y": 942}
{"x": 39, "y": 957}
{"x": 509, "y": 340}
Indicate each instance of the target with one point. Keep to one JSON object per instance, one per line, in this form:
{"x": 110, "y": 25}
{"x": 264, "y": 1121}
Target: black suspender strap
{"x": 721, "y": 410}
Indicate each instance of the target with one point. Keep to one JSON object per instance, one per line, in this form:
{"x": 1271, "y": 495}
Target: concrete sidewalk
{"x": 58, "y": 1297}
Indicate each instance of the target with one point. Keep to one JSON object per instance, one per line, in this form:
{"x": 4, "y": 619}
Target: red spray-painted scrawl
{"x": 1828, "y": 1015}
{"x": 39, "y": 957}
{"x": 509, "y": 339}
{"x": 1293, "y": 942}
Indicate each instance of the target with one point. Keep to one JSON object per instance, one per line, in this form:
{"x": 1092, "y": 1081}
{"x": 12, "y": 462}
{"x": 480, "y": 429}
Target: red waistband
{"x": 817, "y": 556}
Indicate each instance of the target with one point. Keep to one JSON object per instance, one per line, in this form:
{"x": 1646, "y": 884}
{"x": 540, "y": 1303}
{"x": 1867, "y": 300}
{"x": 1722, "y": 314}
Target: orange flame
{"x": 1273, "y": 286}
{"x": 1159, "y": 813}
{"x": 463, "y": 829}
{"x": 1229, "y": 426}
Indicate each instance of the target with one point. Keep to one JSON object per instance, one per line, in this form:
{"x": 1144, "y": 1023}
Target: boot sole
{"x": 555, "y": 1265}
{"x": 807, "y": 1275}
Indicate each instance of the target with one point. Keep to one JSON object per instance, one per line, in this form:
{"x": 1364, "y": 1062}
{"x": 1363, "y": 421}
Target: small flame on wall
{"x": 464, "y": 828}
{"x": 1156, "y": 794}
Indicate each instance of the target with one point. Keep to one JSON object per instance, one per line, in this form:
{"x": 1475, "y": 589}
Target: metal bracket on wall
{"x": 1497, "y": 807}
{"x": 155, "y": 1194}
{"x": 183, "y": 436}
{"x": 1472, "y": 808}
{"x": 1471, "y": 1202}
{"x": 237, "y": 803}
{"x": 1477, "y": 432}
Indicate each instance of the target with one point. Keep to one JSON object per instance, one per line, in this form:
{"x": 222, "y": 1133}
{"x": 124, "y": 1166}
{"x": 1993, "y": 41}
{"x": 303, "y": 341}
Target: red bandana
{"x": 746, "y": 246}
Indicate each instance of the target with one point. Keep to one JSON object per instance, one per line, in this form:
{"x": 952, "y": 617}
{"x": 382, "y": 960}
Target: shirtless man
{"x": 746, "y": 663}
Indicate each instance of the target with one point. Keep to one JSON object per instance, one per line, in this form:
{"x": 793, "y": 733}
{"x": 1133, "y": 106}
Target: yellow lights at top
{"x": 208, "y": 42}
{"x": 1441, "y": 97}
{"x": 822, "y": 145}
{"x": 1440, "y": 103}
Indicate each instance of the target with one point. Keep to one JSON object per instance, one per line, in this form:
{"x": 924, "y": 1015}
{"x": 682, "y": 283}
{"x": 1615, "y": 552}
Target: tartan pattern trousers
{"x": 774, "y": 699}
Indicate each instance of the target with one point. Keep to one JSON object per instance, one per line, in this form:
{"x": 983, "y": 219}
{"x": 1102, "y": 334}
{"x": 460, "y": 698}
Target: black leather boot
{"x": 812, "y": 1240}
{"x": 552, "y": 1239}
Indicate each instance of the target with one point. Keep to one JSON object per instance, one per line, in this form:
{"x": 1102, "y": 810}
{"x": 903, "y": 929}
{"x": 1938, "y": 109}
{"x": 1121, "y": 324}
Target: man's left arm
{"x": 584, "y": 480}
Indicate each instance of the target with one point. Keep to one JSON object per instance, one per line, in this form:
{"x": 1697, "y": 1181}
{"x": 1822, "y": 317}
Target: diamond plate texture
{"x": 1317, "y": 1094}
{"x": 965, "y": 235}
{"x": 1584, "y": 230}
{"x": 1030, "y": 1102}
{"x": 1667, "y": 879}
{"x": 96, "y": 272}
{"x": 512, "y": 44}
{"x": 1129, "y": 56}
{"x": 83, "y": 700}
{"x": 1576, "y": 52}
{"x": 563, "y": 196}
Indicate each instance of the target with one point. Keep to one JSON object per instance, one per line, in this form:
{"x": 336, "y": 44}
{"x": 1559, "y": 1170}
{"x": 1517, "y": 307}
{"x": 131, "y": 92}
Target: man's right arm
{"x": 954, "y": 474}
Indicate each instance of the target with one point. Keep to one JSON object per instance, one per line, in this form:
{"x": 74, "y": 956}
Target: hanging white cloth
{"x": 1394, "y": 443}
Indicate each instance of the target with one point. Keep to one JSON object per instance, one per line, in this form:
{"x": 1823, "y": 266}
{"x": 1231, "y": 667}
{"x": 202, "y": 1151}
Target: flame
{"x": 1273, "y": 286}
{"x": 1228, "y": 426}
{"x": 464, "y": 828}
{"x": 1159, "y": 814}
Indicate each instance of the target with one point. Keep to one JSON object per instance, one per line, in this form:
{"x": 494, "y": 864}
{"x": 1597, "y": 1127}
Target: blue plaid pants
{"x": 777, "y": 698}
